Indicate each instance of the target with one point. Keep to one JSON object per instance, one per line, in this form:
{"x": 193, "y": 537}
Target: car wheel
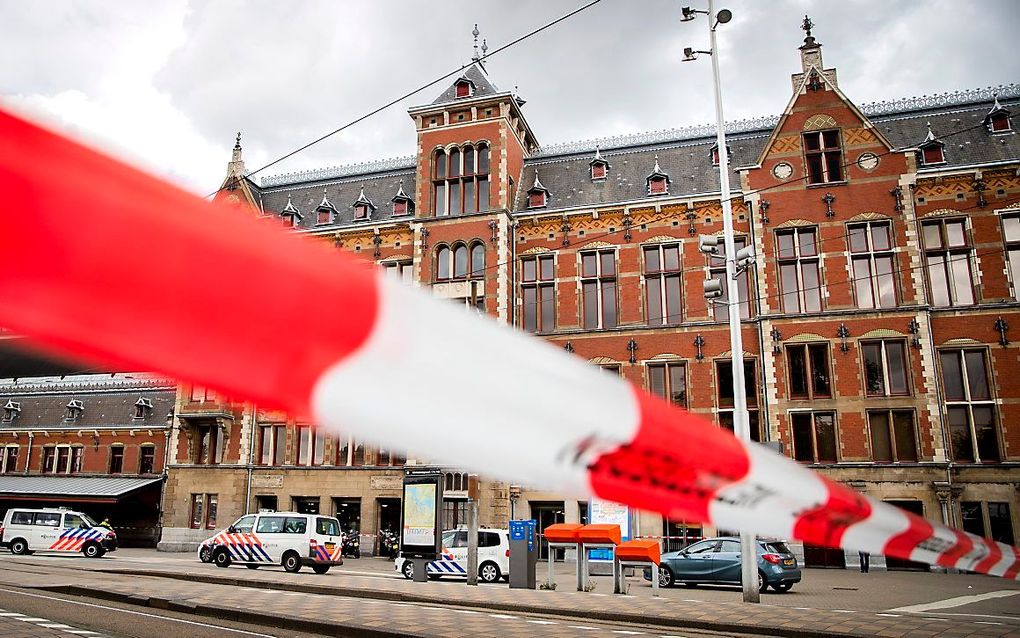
{"x": 222, "y": 558}
{"x": 782, "y": 588}
{"x": 252, "y": 566}
{"x": 320, "y": 569}
{"x": 19, "y": 546}
{"x": 292, "y": 562}
{"x": 665, "y": 576}
{"x": 92, "y": 550}
{"x": 408, "y": 570}
{"x": 762, "y": 583}
{"x": 489, "y": 572}
{"x": 205, "y": 554}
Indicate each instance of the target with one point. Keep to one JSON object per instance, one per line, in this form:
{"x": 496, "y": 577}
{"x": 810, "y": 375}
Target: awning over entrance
{"x": 72, "y": 488}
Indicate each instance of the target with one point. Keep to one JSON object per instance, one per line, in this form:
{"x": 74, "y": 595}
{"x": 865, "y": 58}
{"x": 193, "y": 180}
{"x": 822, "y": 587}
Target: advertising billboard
{"x": 608, "y": 513}
{"x": 420, "y": 520}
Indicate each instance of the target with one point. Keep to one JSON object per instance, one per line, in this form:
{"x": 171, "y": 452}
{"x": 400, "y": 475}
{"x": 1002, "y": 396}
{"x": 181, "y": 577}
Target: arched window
{"x": 477, "y": 261}
{"x": 460, "y": 261}
{"x": 461, "y": 184}
{"x": 443, "y": 263}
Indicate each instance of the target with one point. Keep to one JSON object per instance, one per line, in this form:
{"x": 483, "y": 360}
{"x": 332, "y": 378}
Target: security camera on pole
{"x": 713, "y": 288}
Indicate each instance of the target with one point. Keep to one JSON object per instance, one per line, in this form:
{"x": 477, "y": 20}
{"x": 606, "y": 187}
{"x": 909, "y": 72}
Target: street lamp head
{"x": 724, "y": 16}
{"x": 688, "y": 14}
{"x": 689, "y": 55}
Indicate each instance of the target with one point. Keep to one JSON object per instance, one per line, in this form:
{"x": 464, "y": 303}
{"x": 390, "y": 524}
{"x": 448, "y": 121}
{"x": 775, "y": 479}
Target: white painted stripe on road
{"x": 958, "y": 601}
{"x": 30, "y": 619}
{"x": 502, "y": 616}
{"x": 890, "y": 615}
{"x": 541, "y": 622}
{"x": 628, "y": 633}
{"x": 583, "y": 627}
{"x": 10, "y": 614}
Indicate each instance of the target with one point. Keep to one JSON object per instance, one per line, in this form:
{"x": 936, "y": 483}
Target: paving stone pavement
{"x": 17, "y": 625}
{"x": 402, "y": 607}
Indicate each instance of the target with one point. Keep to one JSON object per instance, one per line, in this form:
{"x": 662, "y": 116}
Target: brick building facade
{"x": 72, "y": 437}
{"x": 877, "y": 332}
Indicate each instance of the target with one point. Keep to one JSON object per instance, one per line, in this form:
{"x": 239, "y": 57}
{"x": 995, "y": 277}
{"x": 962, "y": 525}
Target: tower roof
{"x": 475, "y": 74}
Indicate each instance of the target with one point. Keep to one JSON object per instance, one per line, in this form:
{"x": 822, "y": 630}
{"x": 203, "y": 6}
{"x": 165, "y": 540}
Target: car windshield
{"x": 448, "y": 538}
{"x": 88, "y": 521}
{"x": 778, "y": 547}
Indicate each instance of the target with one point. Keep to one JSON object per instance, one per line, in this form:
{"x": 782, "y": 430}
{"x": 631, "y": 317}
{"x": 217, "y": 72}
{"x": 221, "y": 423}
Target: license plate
{"x": 788, "y": 561}
{"x": 330, "y": 547}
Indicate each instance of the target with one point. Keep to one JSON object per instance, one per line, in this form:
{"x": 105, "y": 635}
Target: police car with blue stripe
{"x": 493, "y": 556}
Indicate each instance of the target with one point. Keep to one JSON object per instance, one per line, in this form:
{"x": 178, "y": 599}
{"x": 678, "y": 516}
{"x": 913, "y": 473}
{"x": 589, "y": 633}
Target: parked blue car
{"x": 717, "y": 561}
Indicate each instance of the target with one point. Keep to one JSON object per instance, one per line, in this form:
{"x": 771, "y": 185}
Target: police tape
{"x": 105, "y": 263}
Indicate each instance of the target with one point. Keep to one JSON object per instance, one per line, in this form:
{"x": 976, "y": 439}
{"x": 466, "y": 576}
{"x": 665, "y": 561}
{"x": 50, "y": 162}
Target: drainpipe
{"x": 165, "y": 473}
{"x": 764, "y": 418}
{"x": 28, "y": 455}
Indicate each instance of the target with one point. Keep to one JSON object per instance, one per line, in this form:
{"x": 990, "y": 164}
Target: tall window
{"x": 197, "y": 511}
{"x": 311, "y": 444}
{"x": 662, "y": 284}
{"x": 814, "y": 437}
{"x": 202, "y": 395}
{"x": 538, "y": 293}
{"x": 885, "y": 368}
{"x": 725, "y": 394}
{"x": 969, "y": 406}
{"x": 999, "y": 523}
{"x": 460, "y": 262}
{"x": 60, "y": 459}
{"x": 343, "y": 451}
{"x": 669, "y": 381}
{"x": 824, "y": 157}
{"x": 49, "y": 460}
{"x": 809, "y": 371}
{"x": 873, "y": 264}
{"x": 209, "y": 445}
{"x": 893, "y": 436}
{"x": 116, "y": 459}
{"x": 402, "y": 270}
{"x": 1011, "y": 236}
{"x": 947, "y": 254}
{"x": 390, "y": 458}
{"x": 721, "y": 307}
{"x": 598, "y": 288}
{"x": 147, "y": 459}
{"x": 460, "y": 180}
{"x": 272, "y": 444}
{"x": 799, "y": 274}
{"x": 9, "y": 459}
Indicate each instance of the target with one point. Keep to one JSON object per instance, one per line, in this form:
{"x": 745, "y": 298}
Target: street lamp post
{"x": 741, "y": 426}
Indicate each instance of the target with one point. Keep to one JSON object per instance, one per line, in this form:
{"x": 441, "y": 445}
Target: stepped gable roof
{"x": 477, "y": 76}
{"x": 102, "y": 409}
{"x": 379, "y": 186}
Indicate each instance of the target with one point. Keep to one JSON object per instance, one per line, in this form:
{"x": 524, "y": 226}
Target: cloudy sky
{"x": 167, "y": 83}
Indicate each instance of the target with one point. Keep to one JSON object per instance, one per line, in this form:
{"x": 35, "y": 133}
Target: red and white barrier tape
{"x": 106, "y": 263}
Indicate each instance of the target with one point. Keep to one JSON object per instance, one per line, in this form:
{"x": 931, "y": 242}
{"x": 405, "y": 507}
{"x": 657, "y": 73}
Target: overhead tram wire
{"x": 421, "y": 88}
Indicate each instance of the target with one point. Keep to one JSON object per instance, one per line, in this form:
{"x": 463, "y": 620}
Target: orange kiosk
{"x": 637, "y": 553}
{"x": 597, "y": 536}
{"x": 563, "y": 535}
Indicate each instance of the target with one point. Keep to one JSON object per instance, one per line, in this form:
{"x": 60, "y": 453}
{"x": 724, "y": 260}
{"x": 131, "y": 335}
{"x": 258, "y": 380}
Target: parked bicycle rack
{"x": 637, "y": 553}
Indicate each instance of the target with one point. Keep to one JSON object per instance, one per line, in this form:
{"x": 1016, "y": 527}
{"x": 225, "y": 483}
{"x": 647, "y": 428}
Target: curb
{"x": 621, "y": 617}
{"x": 295, "y": 623}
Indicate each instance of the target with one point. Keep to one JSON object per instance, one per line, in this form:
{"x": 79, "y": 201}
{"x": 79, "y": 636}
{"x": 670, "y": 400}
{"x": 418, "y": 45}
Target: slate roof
{"x": 105, "y": 409}
{"x": 684, "y": 154}
{"x": 380, "y": 188}
{"x": 72, "y": 485}
{"x": 478, "y": 77}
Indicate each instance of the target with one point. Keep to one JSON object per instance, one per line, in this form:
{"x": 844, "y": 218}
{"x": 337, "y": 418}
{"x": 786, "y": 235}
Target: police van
{"x": 278, "y": 538}
{"x": 493, "y": 556}
{"x": 26, "y": 531}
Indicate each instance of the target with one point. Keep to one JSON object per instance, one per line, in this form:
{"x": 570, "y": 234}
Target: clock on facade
{"x": 867, "y": 161}
{"x": 782, "y": 170}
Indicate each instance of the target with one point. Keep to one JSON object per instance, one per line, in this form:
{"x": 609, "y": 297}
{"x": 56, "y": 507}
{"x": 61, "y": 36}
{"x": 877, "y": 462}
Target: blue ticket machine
{"x": 523, "y": 554}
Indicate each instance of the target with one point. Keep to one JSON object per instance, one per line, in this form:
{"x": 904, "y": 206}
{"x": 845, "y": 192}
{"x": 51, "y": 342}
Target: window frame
{"x": 871, "y": 256}
{"x": 1011, "y": 247}
{"x": 890, "y": 425}
{"x": 809, "y": 371}
{"x": 600, "y": 280}
{"x": 798, "y": 260}
{"x": 9, "y": 460}
{"x": 969, "y": 403}
{"x": 455, "y": 191}
{"x": 884, "y": 359}
{"x": 825, "y": 154}
{"x": 660, "y": 279}
{"x": 142, "y": 450}
{"x": 669, "y": 392}
{"x": 724, "y": 411}
{"x": 116, "y": 458}
{"x": 944, "y": 253}
{"x": 544, "y": 306}
{"x": 814, "y": 415}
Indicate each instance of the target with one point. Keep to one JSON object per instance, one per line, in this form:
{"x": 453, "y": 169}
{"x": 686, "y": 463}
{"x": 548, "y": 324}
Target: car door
{"x": 458, "y": 554}
{"x": 327, "y": 536}
{"x": 269, "y": 530}
{"x": 726, "y": 562}
{"x": 695, "y": 562}
{"x": 244, "y": 540}
{"x": 47, "y": 531}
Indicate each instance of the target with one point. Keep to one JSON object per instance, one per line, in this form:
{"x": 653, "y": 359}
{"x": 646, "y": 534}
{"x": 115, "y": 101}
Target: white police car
{"x": 493, "y": 556}
{"x": 26, "y": 531}
{"x": 277, "y": 538}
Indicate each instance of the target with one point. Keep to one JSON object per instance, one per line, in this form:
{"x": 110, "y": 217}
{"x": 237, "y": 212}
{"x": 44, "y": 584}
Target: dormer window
{"x": 143, "y": 407}
{"x": 932, "y": 151}
{"x": 464, "y": 88}
{"x": 363, "y": 206}
{"x": 538, "y": 195}
{"x": 402, "y": 204}
{"x": 11, "y": 410}
{"x": 74, "y": 410}
{"x": 715, "y": 154}
{"x": 997, "y": 119}
{"x": 290, "y": 214}
{"x": 657, "y": 181}
{"x": 599, "y": 166}
{"x": 325, "y": 210}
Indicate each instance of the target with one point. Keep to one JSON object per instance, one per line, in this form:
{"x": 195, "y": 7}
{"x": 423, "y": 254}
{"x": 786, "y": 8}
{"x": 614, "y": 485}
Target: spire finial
{"x": 537, "y": 183}
{"x": 485, "y": 47}
{"x": 237, "y": 143}
{"x": 807, "y": 25}
{"x": 656, "y": 169}
{"x": 475, "y": 33}
{"x": 598, "y": 152}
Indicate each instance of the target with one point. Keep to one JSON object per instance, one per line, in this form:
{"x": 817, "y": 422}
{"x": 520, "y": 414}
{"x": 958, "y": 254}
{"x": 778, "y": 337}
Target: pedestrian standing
{"x": 865, "y": 562}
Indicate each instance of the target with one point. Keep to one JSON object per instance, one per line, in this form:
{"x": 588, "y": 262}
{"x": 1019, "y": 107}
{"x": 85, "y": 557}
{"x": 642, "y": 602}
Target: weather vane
{"x": 807, "y": 25}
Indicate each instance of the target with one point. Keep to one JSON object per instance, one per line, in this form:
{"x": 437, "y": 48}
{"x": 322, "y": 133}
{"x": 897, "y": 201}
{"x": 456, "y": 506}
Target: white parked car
{"x": 278, "y": 538}
{"x": 493, "y": 556}
{"x": 25, "y": 531}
